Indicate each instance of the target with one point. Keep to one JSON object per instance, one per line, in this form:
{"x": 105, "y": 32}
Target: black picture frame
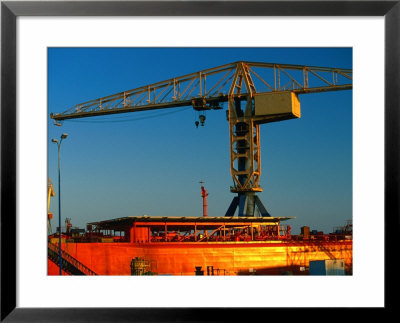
{"x": 10, "y": 10}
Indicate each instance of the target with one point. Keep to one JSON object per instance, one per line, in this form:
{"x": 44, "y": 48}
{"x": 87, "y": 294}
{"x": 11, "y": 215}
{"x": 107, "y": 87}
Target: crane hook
{"x": 202, "y": 118}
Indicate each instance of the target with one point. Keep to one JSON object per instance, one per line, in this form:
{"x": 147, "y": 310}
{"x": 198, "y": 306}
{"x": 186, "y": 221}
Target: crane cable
{"x": 112, "y": 120}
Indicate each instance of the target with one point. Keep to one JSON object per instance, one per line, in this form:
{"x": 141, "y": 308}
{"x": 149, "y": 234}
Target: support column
{"x": 245, "y": 159}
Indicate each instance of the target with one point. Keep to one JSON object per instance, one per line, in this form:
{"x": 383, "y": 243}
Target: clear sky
{"x": 151, "y": 162}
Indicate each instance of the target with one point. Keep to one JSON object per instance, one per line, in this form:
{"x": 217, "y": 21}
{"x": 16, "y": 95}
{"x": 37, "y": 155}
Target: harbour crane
{"x": 256, "y": 93}
{"x": 204, "y": 194}
{"x": 50, "y": 193}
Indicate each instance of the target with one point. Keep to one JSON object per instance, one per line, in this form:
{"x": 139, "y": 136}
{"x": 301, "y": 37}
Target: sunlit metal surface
{"x": 229, "y": 258}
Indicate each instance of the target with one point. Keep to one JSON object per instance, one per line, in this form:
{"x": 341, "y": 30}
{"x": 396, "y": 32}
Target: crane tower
{"x": 256, "y": 93}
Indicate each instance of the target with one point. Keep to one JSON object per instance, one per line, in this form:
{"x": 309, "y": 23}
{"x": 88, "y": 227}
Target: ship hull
{"x": 221, "y": 258}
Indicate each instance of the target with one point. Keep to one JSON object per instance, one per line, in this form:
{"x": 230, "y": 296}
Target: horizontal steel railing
{"x": 74, "y": 262}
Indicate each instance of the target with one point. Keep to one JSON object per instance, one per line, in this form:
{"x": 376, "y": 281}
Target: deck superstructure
{"x": 182, "y": 245}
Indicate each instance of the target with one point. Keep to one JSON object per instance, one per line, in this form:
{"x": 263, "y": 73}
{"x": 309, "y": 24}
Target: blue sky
{"x": 151, "y": 162}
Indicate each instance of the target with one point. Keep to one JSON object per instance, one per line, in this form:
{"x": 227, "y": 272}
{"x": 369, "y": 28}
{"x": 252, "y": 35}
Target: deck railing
{"x": 80, "y": 268}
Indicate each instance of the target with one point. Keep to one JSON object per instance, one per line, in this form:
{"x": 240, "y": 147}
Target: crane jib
{"x": 215, "y": 85}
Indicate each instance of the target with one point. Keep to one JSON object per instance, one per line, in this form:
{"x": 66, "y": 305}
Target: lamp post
{"x": 63, "y": 136}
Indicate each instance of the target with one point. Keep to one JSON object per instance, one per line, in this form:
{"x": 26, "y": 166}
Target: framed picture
{"x": 36, "y": 34}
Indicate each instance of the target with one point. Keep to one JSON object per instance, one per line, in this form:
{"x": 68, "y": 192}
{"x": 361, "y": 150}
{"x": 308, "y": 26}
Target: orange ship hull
{"x": 226, "y": 258}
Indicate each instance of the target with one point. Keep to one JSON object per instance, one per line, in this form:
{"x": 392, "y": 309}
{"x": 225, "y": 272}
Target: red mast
{"x": 204, "y": 195}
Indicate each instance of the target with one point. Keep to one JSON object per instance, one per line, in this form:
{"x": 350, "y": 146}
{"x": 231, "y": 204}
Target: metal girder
{"x": 247, "y": 203}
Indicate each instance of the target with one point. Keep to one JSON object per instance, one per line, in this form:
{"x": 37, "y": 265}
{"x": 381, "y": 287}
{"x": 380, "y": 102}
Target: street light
{"x": 63, "y": 136}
